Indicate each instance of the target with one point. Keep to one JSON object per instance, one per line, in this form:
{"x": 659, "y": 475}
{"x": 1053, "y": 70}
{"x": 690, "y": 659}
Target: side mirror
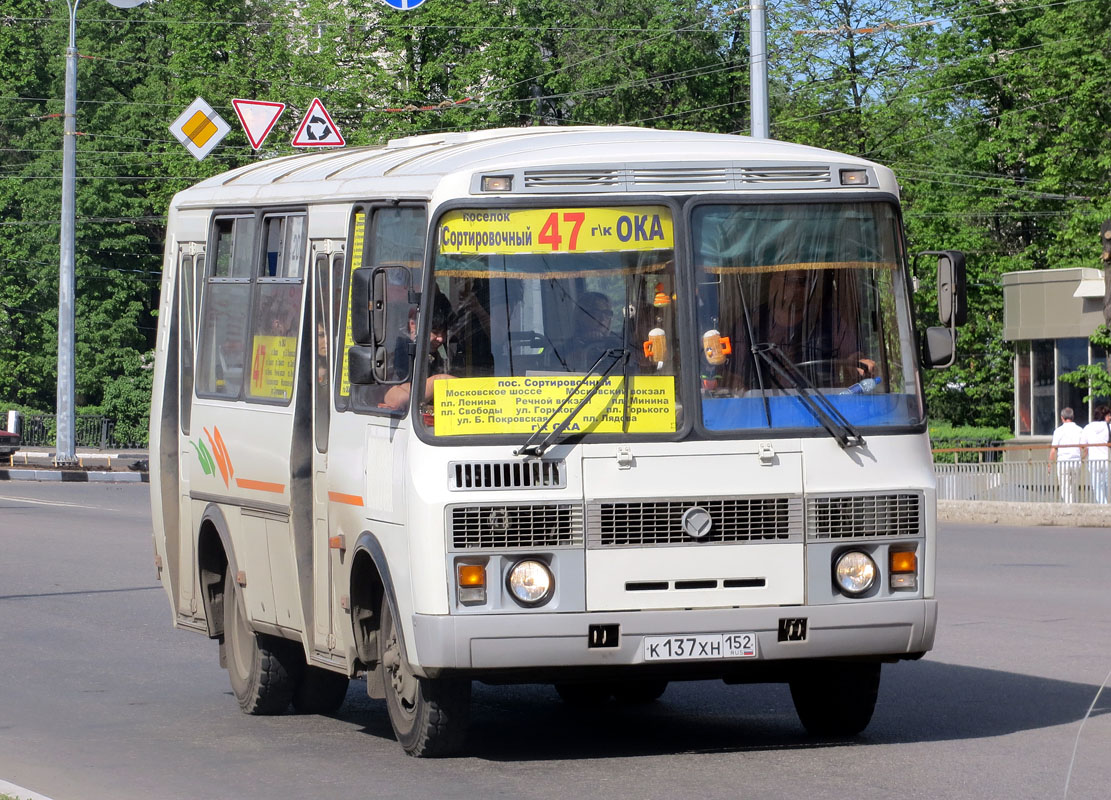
{"x": 941, "y": 347}
{"x": 952, "y": 302}
{"x": 360, "y": 365}
{"x": 360, "y": 305}
{"x": 373, "y": 313}
{"x": 370, "y": 301}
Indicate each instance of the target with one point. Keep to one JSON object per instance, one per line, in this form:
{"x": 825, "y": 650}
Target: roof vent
{"x": 793, "y": 174}
{"x": 542, "y": 180}
{"x": 668, "y": 177}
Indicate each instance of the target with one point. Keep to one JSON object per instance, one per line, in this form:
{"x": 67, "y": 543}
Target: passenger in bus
{"x": 593, "y": 320}
{"x": 321, "y": 354}
{"x": 397, "y": 397}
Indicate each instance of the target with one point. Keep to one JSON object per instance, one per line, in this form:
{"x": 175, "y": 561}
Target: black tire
{"x": 429, "y": 715}
{"x": 320, "y": 691}
{"x": 640, "y": 691}
{"x": 836, "y": 699}
{"x": 262, "y": 668}
{"x": 584, "y": 696}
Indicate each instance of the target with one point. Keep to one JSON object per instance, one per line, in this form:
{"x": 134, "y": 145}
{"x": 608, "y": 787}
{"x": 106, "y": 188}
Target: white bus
{"x": 668, "y": 423}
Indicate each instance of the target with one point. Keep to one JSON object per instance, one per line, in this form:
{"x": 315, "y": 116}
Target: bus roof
{"x": 551, "y": 160}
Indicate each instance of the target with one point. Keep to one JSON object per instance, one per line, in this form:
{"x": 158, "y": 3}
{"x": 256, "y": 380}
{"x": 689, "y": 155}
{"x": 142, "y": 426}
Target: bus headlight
{"x": 855, "y": 572}
{"x": 530, "y": 582}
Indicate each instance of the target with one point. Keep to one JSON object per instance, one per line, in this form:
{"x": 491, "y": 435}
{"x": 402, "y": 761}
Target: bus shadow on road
{"x": 924, "y": 701}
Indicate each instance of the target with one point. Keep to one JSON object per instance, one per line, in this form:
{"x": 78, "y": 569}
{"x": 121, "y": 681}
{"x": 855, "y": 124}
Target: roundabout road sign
{"x": 403, "y": 5}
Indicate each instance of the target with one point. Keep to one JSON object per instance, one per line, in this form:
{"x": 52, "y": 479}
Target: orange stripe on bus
{"x": 349, "y": 499}
{"x": 262, "y": 486}
{"x": 219, "y": 454}
{"x": 227, "y": 456}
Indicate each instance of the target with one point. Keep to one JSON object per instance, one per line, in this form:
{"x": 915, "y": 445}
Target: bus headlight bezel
{"x": 855, "y": 573}
{"x": 521, "y": 582}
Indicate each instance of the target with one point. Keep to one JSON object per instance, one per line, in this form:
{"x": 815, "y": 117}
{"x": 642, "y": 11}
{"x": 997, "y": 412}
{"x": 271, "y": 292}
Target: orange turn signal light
{"x": 472, "y": 575}
{"x": 904, "y": 561}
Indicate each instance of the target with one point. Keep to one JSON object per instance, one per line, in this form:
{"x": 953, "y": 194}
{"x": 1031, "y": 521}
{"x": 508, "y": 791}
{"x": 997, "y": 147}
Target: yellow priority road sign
{"x": 199, "y": 128}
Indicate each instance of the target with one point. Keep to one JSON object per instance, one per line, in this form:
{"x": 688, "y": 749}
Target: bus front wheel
{"x": 429, "y": 715}
{"x": 836, "y": 699}
{"x": 261, "y": 668}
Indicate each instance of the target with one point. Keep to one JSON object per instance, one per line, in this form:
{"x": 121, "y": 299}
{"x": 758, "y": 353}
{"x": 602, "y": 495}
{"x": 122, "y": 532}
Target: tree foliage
{"x": 994, "y": 117}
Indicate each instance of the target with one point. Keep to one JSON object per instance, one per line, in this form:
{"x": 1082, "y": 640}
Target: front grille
{"x": 504, "y": 526}
{"x": 864, "y": 516}
{"x": 646, "y": 523}
{"x": 470, "y": 475}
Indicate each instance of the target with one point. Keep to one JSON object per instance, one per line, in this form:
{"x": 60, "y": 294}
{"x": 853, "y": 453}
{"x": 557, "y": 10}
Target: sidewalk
{"x": 93, "y": 466}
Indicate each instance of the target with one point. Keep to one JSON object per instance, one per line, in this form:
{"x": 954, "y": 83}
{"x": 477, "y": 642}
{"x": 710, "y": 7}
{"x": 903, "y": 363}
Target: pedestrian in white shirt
{"x": 1066, "y": 453}
{"x": 1097, "y": 434}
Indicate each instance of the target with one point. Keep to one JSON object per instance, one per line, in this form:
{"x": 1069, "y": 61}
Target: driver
{"x": 802, "y": 315}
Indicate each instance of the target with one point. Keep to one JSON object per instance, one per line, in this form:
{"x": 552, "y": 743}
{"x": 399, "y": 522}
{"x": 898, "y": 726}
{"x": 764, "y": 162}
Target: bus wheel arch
{"x": 215, "y": 560}
{"x": 369, "y": 579}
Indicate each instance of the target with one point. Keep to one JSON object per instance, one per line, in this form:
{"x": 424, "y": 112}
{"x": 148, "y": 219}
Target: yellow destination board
{"x": 357, "y": 241}
{"x": 273, "y": 361}
{"x": 521, "y": 405}
{"x": 509, "y": 231}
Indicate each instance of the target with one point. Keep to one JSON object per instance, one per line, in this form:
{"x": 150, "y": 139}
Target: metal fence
{"x": 1018, "y": 473}
{"x": 89, "y": 430}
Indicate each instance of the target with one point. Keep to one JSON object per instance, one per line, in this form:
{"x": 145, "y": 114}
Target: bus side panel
{"x": 251, "y": 480}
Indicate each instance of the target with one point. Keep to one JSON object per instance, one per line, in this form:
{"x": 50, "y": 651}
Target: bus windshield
{"x": 802, "y": 297}
{"x": 526, "y": 302}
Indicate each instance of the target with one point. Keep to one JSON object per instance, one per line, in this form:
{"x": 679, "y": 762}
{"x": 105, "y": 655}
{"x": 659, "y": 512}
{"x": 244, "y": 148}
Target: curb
{"x": 1025, "y": 515}
{"x": 73, "y": 476}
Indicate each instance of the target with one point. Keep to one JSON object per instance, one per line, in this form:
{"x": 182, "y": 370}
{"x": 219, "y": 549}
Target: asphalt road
{"x": 101, "y": 698}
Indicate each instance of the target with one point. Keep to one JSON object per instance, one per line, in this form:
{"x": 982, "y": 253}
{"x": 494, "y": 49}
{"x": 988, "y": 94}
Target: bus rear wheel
{"x": 262, "y": 668}
{"x": 836, "y": 699}
{"x": 429, "y": 715}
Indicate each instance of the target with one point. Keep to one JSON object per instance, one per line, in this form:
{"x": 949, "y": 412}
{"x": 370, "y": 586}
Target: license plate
{"x": 700, "y": 646}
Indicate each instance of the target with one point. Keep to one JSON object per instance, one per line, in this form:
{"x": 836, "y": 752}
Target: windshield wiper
{"x": 817, "y": 403}
{"x": 530, "y": 449}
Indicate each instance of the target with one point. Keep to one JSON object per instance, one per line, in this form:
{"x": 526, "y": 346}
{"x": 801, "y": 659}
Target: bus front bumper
{"x": 540, "y": 642}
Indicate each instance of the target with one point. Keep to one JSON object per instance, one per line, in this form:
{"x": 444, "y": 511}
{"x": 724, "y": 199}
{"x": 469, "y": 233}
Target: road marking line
{"x": 52, "y": 503}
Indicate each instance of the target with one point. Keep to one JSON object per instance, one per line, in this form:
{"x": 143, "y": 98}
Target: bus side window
{"x": 320, "y": 354}
{"x": 396, "y": 237}
{"x": 277, "y": 309}
{"x": 185, "y": 337}
{"x": 227, "y": 294}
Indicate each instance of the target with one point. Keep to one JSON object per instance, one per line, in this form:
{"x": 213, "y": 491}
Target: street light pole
{"x": 758, "y": 69}
{"x": 65, "y": 442}
{"x": 65, "y": 454}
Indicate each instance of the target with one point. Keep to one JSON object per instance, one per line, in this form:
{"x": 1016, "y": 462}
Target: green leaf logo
{"x": 205, "y": 457}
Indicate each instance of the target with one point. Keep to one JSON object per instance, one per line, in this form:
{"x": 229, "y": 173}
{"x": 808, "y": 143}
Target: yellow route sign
{"x": 521, "y": 405}
{"x": 273, "y": 361}
{"x": 509, "y": 231}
